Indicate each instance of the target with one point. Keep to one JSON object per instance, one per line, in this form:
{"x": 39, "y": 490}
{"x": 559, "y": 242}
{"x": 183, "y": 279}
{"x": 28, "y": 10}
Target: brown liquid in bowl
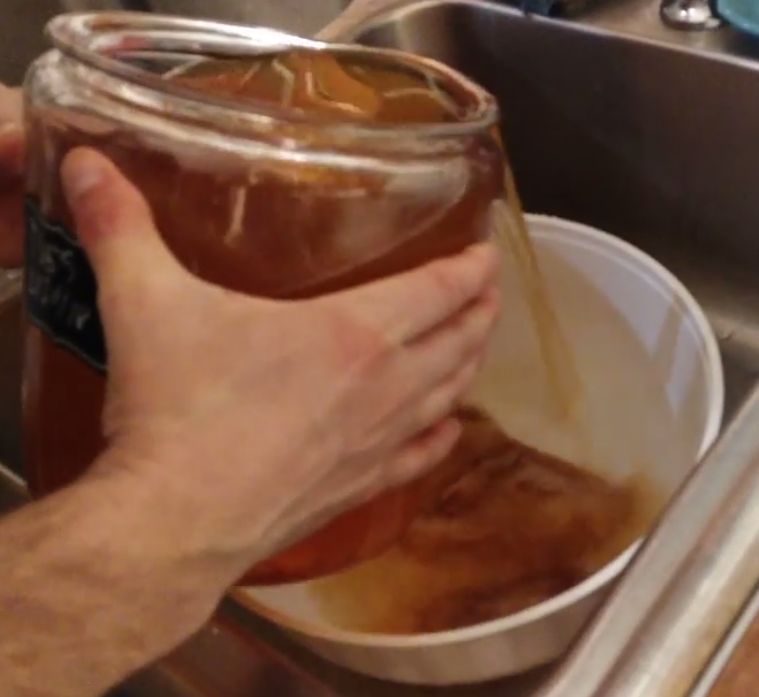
{"x": 518, "y": 528}
{"x": 280, "y": 230}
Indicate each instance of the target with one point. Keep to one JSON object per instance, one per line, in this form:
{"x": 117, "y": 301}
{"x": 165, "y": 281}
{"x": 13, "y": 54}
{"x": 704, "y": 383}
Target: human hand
{"x": 11, "y": 182}
{"x": 256, "y": 421}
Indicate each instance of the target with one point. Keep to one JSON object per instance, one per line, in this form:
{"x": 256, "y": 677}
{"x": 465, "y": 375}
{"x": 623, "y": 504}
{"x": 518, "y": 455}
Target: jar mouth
{"x": 121, "y": 44}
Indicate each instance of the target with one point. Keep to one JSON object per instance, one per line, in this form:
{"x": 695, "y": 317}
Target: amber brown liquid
{"x": 518, "y": 528}
{"x": 284, "y": 232}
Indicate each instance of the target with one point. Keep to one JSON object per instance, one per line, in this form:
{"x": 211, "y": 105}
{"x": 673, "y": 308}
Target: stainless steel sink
{"x": 21, "y": 21}
{"x": 656, "y": 143}
{"x": 623, "y": 123}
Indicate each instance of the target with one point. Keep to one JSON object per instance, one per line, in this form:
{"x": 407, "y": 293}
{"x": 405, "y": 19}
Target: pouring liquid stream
{"x": 557, "y": 356}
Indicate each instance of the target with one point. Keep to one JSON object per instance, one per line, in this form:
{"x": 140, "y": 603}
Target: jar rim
{"x": 98, "y": 39}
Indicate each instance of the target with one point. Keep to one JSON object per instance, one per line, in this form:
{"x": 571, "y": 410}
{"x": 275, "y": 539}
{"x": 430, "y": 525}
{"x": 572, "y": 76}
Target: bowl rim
{"x": 624, "y": 252}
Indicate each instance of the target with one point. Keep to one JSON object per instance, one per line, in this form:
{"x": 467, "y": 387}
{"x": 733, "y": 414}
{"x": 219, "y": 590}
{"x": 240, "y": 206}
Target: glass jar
{"x": 266, "y": 201}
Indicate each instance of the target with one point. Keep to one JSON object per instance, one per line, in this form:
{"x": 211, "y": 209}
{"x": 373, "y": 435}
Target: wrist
{"x": 218, "y": 530}
{"x": 97, "y": 571}
{"x": 142, "y": 532}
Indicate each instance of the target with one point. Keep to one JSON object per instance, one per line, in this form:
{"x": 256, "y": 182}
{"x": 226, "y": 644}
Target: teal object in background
{"x": 742, "y": 14}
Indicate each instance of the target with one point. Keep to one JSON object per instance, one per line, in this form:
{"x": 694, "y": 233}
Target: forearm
{"x": 94, "y": 585}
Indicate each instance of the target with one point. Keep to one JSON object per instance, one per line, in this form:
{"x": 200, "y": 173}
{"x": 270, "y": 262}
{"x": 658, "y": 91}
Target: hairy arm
{"x": 94, "y": 584}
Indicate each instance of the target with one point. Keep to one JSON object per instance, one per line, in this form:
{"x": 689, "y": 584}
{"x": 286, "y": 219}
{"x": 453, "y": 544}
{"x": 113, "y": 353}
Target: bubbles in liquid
{"x": 320, "y": 84}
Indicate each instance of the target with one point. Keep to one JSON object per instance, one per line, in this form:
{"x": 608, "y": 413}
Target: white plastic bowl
{"x": 584, "y": 269}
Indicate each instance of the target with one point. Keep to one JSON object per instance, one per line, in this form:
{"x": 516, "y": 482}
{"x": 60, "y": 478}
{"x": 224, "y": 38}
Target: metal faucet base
{"x": 689, "y": 14}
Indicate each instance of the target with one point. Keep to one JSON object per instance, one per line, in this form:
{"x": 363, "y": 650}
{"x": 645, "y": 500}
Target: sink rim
{"x": 724, "y": 44}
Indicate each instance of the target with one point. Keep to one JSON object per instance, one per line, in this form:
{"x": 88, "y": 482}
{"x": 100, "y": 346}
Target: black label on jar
{"x": 60, "y": 288}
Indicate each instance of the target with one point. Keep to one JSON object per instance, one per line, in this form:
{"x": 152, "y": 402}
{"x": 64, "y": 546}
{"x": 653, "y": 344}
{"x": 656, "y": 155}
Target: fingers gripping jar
{"x": 264, "y": 196}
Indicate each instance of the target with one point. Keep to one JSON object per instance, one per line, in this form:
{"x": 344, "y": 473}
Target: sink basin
{"x": 21, "y": 21}
{"x": 654, "y": 143}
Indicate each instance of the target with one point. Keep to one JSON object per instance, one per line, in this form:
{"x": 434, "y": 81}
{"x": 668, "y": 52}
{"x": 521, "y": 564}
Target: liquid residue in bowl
{"x": 519, "y": 528}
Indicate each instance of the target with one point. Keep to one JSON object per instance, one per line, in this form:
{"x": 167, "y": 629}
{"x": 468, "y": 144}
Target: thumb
{"x": 115, "y": 226}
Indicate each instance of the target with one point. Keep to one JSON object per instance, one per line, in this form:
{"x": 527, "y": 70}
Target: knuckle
{"x": 440, "y": 450}
{"x": 474, "y": 330}
{"x": 407, "y": 465}
{"x": 439, "y": 406}
{"x": 444, "y": 284}
{"x": 429, "y": 456}
{"x": 358, "y": 347}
